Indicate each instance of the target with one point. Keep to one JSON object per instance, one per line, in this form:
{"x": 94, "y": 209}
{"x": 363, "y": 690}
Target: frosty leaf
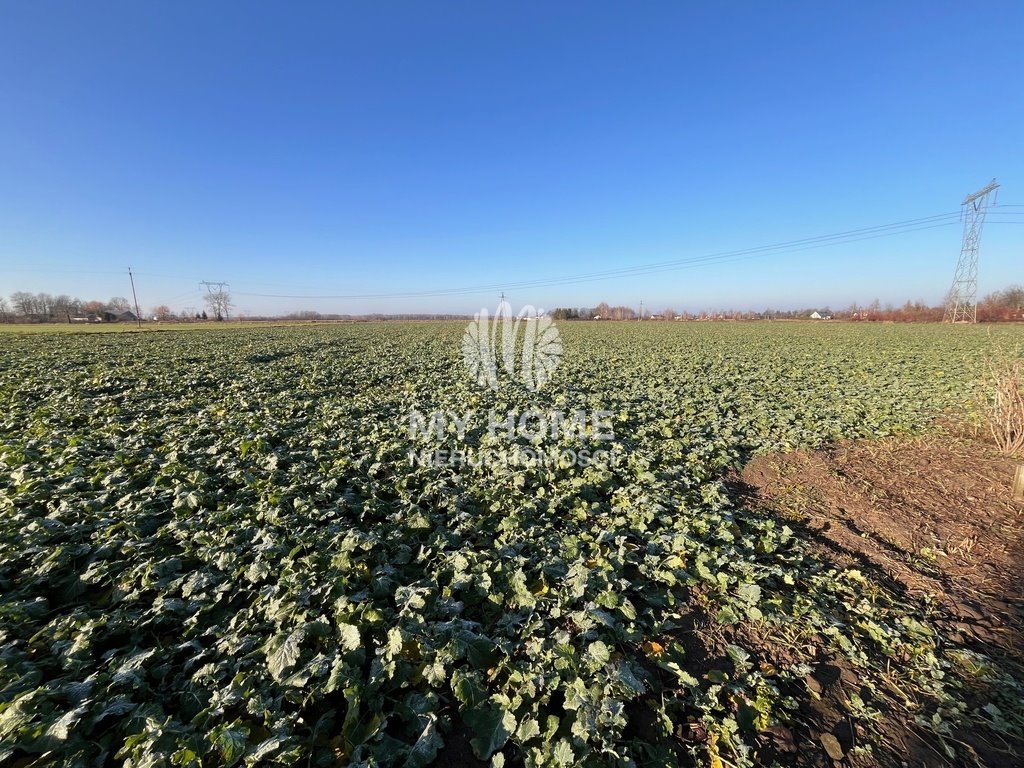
{"x": 491, "y": 728}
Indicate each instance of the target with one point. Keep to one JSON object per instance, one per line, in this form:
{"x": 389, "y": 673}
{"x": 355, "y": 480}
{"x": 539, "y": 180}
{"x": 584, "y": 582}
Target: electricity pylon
{"x": 219, "y": 300}
{"x": 961, "y": 304}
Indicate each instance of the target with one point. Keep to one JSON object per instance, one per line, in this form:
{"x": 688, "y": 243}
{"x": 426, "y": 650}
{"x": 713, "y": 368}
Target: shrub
{"x": 1005, "y": 395}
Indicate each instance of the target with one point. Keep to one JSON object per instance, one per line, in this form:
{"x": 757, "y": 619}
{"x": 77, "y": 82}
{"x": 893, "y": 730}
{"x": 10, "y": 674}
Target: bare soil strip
{"x": 932, "y": 518}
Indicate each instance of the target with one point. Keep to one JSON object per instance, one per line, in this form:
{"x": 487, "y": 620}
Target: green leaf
{"x": 348, "y": 637}
{"x": 684, "y": 677}
{"x": 717, "y": 676}
{"x": 727, "y": 615}
{"x": 286, "y": 654}
{"x": 232, "y": 741}
{"x": 491, "y": 728}
{"x": 739, "y": 657}
{"x": 528, "y": 729}
{"x": 186, "y": 758}
{"x": 424, "y": 751}
{"x": 749, "y": 593}
{"x": 480, "y": 651}
{"x": 563, "y": 754}
{"x": 598, "y": 652}
{"x": 467, "y": 691}
{"x": 746, "y": 716}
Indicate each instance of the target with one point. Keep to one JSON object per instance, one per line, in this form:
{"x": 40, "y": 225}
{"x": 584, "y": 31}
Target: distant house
{"x": 815, "y": 316}
{"x": 127, "y": 316}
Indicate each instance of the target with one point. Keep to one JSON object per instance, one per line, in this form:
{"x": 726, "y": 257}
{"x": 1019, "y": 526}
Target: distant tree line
{"x": 25, "y": 307}
{"x": 1001, "y": 306}
{"x": 311, "y": 316}
{"x": 1007, "y": 304}
{"x": 602, "y": 311}
{"x": 43, "y": 307}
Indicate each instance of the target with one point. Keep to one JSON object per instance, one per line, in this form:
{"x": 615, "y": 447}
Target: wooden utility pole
{"x": 138, "y": 315}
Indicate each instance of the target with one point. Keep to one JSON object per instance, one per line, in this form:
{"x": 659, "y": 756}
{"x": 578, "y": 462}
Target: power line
{"x": 838, "y": 238}
{"x": 782, "y": 248}
{"x": 661, "y": 266}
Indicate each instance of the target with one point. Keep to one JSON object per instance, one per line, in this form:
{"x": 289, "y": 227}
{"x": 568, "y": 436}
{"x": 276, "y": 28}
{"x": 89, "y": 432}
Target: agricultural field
{"x": 225, "y": 547}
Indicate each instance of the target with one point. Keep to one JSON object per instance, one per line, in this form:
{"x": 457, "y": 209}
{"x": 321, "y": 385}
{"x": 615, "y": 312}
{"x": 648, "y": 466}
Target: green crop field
{"x": 239, "y": 546}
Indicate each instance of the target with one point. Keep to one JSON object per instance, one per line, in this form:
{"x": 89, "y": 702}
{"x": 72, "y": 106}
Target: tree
{"x": 219, "y": 303}
{"x": 24, "y": 303}
{"x": 1013, "y": 297}
{"x": 45, "y": 306}
{"x": 1002, "y": 305}
{"x": 1009, "y": 298}
{"x": 163, "y": 313}
{"x": 3, "y": 309}
{"x": 119, "y": 304}
{"x": 63, "y": 306}
{"x": 93, "y": 308}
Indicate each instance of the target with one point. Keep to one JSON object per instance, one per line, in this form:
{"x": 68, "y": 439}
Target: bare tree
{"x": 45, "y": 306}
{"x": 119, "y": 304}
{"x": 24, "y": 304}
{"x": 63, "y": 306}
{"x": 163, "y": 313}
{"x": 219, "y": 302}
{"x": 4, "y": 309}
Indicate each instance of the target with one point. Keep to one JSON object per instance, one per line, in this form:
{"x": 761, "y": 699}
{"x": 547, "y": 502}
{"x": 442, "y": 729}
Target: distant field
{"x": 215, "y": 546}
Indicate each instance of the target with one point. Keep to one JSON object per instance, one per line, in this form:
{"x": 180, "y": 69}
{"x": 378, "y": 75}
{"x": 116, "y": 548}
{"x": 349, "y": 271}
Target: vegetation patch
{"x": 214, "y": 550}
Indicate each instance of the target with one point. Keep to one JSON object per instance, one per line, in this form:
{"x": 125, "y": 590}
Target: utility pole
{"x": 961, "y": 304}
{"x": 138, "y": 315}
{"x": 641, "y": 310}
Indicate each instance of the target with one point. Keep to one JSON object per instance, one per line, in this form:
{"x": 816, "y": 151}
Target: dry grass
{"x": 1004, "y": 385}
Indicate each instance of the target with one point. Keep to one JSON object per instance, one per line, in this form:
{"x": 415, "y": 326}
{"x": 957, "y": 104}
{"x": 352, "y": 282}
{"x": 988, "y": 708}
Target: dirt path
{"x": 934, "y": 520}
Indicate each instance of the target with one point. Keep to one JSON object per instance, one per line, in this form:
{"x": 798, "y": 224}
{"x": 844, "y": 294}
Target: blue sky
{"x": 357, "y": 148}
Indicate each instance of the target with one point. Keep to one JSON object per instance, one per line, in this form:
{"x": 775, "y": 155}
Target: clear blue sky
{"x": 354, "y": 148}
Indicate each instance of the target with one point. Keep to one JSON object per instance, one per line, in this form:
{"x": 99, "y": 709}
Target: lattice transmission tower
{"x": 219, "y": 300}
{"x": 962, "y": 302}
